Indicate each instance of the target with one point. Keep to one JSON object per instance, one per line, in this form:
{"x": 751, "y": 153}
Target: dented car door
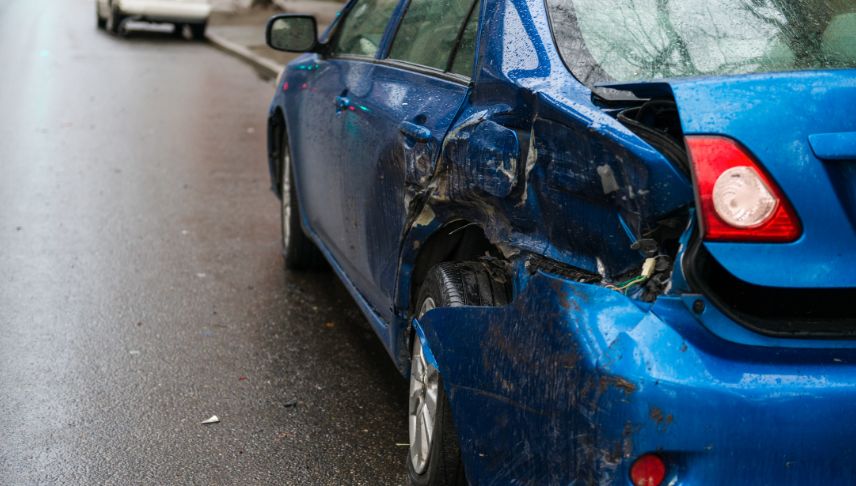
{"x": 396, "y": 115}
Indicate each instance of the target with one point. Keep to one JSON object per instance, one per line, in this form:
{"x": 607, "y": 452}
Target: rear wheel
{"x": 178, "y": 30}
{"x": 115, "y": 20}
{"x": 198, "y": 30}
{"x": 435, "y": 456}
{"x": 100, "y": 21}
{"x": 298, "y": 251}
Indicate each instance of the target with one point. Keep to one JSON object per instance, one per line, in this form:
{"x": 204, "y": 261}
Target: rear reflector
{"x": 737, "y": 200}
{"x": 648, "y": 470}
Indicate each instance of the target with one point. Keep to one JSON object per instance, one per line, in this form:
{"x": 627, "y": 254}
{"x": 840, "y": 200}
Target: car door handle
{"x": 342, "y": 102}
{"x": 416, "y": 132}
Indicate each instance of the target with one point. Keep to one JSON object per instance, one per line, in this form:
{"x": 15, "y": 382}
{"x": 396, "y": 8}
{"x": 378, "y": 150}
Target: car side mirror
{"x": 292, "y": 33}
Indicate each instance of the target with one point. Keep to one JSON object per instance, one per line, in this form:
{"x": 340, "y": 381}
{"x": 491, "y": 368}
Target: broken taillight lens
{"x": 737, "y": 200}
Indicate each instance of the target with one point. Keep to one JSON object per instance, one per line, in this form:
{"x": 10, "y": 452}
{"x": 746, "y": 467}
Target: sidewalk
{"x": 242, "y": 32}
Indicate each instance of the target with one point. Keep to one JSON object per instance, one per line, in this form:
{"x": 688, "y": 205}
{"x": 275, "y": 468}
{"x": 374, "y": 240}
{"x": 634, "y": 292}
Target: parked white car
{"x": 110, "y": 14}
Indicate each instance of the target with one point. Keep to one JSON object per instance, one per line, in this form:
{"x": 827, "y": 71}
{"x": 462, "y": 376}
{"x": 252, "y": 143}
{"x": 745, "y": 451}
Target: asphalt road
{"x": 141, "y": 285}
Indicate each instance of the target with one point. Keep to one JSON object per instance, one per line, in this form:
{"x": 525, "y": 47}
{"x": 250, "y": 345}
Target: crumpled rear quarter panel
{"x": 571, "y": 382}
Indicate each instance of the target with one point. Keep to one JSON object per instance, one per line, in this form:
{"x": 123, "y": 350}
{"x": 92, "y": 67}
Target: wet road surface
{"x": 141, "y": 286}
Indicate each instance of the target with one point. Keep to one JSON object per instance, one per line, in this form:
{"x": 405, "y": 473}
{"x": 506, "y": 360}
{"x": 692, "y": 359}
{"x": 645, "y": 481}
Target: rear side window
{"x": 432, "y": 31}
{"x": 623, "y": 40}
{"x": 363, "y": 27}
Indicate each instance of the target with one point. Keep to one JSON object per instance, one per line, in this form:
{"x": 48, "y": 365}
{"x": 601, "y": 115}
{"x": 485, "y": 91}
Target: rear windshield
{"x": 605, "y": 41}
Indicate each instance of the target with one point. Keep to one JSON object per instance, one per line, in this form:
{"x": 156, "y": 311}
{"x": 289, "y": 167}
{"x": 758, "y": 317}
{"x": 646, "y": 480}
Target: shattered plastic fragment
{"x": 607, "y": 179}
{"x": 425, "y": 217}
{"x": 211, "y": 420}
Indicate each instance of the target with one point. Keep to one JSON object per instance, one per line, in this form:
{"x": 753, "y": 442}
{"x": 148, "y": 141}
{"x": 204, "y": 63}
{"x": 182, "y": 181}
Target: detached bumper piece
{"x": 574, "y": 382}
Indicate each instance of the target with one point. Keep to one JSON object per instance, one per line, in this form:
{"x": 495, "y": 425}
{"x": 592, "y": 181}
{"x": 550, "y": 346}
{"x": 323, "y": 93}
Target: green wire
{"x": 629, "y": 283}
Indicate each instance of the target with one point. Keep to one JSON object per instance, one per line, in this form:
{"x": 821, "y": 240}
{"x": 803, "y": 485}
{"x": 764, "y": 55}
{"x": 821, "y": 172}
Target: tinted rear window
{"x": 623, "y": 40}
{"x": 431, "y": 30}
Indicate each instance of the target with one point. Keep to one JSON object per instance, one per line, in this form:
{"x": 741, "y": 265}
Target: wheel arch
{"x": 454, "y": 240}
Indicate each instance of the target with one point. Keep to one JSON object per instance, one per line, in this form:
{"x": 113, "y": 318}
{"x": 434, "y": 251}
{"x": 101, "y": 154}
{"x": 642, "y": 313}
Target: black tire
{"x": 114, "y": 22}
{"x": 453, "y": 284}
{"x": 178, "y": 30}
{"x": 198, "y": 31}
{"x": 298, "y": 251}
{"x": 100, "y": 21}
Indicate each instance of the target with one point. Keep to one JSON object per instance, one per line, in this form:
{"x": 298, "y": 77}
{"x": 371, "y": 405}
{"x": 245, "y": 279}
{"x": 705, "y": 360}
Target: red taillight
{"x": 648, "y": 470}
{"x": 737, "y": 200}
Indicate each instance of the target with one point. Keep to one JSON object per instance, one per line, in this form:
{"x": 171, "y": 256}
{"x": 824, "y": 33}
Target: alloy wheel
{"x": 424, "y": 388}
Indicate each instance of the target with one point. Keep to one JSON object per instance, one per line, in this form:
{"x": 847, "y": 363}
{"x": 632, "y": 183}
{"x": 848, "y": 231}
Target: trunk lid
{"x": 801, "y": 127}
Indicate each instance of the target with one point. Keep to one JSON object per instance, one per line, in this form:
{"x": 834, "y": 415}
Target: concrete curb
{"x": 264, "y": 64}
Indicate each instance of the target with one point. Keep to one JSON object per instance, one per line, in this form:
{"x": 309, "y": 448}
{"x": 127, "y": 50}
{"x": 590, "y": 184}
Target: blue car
{"x": 607, "y": 242}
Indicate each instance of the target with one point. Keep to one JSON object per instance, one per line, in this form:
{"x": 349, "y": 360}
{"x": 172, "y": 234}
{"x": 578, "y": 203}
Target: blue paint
{"x": 358, "y": 185}
{"x": 790, "y": 107}
{"x": 572, "y": 381}
{"x": 426, "y": 347}
{"x": 833, "y": 146}
{"x": 483, "y": 158}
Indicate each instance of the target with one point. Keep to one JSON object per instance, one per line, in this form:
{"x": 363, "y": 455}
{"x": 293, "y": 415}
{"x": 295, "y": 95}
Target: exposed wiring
{"x": 647, "y": 271}
{"x": 627, "y": 284}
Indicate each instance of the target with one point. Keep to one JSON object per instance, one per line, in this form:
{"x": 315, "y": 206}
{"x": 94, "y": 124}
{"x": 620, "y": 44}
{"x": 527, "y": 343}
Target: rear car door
{"x": 395, "y": 114}
{"x": 323, "y": 165}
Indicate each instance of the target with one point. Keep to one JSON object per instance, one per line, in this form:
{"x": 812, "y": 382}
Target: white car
{"x": 111, "y": 14}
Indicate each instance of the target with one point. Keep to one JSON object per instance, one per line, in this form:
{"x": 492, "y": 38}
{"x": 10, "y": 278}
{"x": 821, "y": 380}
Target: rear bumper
{"x": 573, "y": 382}
{"x": 166, "y": 11}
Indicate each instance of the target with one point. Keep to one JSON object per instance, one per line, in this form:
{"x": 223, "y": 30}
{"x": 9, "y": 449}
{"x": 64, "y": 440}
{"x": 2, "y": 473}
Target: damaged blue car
{"x": 608, "y": 242}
